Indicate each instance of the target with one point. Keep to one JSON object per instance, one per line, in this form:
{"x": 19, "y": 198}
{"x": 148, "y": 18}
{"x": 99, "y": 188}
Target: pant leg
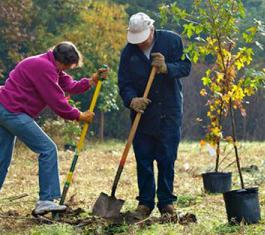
{"x": 166, "y": 156}
{"x": 144, "y": 152}
{"x": 28, "y": 131}
{"x": 7, "y": 141}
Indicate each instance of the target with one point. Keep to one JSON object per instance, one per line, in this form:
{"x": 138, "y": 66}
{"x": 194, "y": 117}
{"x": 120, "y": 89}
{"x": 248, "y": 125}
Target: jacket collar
{"x": 52, "y": 59}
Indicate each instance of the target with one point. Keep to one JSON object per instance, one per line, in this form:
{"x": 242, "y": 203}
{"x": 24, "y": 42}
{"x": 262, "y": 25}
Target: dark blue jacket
{"x": 166, "y": 91}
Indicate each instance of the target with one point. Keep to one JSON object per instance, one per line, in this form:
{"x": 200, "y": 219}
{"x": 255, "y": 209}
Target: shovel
{"x": 108, "y": 206}
{"x": 79, "y": 145}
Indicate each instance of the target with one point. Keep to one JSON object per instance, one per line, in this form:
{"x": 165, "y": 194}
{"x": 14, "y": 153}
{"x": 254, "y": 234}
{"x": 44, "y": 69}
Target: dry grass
{"x": 95, "y": 172}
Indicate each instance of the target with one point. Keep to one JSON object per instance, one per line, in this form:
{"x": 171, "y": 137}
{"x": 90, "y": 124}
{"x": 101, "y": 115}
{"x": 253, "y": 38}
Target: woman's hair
{"x": 67, "y": 54}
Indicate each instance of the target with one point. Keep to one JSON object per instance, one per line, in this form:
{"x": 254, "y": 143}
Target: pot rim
{"x": 216, "y": 173}
{"x": 243, "y": 191}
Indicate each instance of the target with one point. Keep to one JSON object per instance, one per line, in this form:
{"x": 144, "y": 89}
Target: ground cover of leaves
{"x": 95, "y": 173}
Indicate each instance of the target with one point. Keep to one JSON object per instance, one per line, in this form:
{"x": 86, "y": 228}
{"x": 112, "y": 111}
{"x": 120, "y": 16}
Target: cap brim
{"x": 136, "y": 38}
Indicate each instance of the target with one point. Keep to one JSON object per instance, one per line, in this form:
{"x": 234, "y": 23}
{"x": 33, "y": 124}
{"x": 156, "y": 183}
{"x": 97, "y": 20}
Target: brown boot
{"x": 141, "y": 212}
{"x": 168, "y": 209}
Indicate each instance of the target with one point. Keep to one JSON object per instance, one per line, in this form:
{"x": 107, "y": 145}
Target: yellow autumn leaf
{"x": 249, "y": 91}
{"x": 238, "y": 93}
{"x": 212, "y": 108}
{"x": 203, "y": 92}
{"x": 216, "y": 131}
{"x": 219, "y": 77}
{"x": 226, "y": 98}
{"x": 202, "y": 143}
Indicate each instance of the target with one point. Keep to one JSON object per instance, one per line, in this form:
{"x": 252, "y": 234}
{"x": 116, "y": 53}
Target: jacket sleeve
{"x": 53, "y": 95}
{"x": 125, "y": 83}
{"x": 69, "y": 85}
{"x": 179, "y": 67}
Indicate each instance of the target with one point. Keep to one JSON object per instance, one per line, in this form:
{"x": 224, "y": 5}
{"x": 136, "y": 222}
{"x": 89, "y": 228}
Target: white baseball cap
{"x": 139, "y": 29}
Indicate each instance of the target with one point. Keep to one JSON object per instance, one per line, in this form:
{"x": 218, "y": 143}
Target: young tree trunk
{"x": 233, "y": 124}
{"x": 217, "y": 156}
{"x": 219, "y": 141}
{"x": 101, "y": 127}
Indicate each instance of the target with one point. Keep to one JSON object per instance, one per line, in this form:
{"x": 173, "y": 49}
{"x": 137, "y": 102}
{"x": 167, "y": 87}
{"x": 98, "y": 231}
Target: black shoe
{"x": 167, "y": 210}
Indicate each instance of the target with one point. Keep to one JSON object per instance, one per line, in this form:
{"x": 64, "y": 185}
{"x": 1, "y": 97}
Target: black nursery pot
{"x": 71, "y": 147}
{"x": 243, "y": 205}
{"x": 217, "y": 182}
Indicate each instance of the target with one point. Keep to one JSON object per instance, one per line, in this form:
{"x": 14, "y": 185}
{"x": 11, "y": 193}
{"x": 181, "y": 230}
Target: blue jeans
{"x": 27, "y": 130}
{"x": 162, "y": 149}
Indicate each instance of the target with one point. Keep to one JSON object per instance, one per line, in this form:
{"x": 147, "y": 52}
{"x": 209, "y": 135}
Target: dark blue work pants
{"x": 162, "y": 148}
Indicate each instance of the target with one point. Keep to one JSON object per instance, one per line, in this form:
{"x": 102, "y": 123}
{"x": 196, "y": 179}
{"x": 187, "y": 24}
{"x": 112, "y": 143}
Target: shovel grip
{"x": 132, "y": 134}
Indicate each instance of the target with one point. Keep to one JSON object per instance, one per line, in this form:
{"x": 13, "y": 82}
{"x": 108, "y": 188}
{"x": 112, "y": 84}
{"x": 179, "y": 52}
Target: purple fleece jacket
{"x": 36, "y": 83}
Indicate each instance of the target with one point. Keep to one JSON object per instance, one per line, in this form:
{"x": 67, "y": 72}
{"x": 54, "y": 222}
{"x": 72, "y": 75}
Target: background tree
{"x": 100, "y": 35}
{"x": 30, "y": 27}
{"x": 97, "y": 28}
{"x": 14, "y": 32}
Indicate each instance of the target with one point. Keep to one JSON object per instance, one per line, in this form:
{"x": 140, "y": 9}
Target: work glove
{"x": 139, "y": 104}
{"x": 86, "y": 116}
{"x": 101, "y": 73}
{"x": 158, "y": 60}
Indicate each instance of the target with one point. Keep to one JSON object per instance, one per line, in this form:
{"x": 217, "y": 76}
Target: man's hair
{"x": 67, "y": 54}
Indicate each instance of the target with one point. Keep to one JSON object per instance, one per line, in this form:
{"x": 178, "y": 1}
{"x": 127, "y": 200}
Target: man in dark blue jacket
{"x": 158, "y": 133}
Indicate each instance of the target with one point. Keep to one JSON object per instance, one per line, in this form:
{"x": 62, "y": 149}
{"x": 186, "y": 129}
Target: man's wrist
{"x": 165, "y": 69}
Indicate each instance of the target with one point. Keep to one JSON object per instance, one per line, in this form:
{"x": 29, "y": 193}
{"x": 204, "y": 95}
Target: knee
{"x": 166, "y": 164}
{"x": 145, "y": 167}
{"x": 51, "y": 147}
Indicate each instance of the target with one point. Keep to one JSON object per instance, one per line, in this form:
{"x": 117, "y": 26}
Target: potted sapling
{"x": 208, "y": 45}
{"x": 242, "y": 205}
{"x": 215, "y": 181}
{"x": 215, "y": 37}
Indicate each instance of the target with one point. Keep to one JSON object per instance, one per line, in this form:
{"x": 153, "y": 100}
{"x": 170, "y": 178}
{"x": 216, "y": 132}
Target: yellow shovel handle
{"x": 91, "y": 109}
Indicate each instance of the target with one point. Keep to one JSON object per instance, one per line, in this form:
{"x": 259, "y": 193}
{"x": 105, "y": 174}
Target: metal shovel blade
{"x": 107, "y": 206}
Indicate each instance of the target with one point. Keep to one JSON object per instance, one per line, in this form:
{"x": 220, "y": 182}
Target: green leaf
{"x": 198, "y": 28}
{"x": 206, "y": 81}
{"x": 189, "y": 29}
{"x": 249, "y": 34}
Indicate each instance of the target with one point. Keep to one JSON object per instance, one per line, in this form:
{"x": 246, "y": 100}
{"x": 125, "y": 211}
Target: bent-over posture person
{"x": 36, "y": 82}
{"x": 158, "y": 135}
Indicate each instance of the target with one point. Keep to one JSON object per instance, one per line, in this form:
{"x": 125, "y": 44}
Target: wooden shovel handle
{"x": 132, "y": 133}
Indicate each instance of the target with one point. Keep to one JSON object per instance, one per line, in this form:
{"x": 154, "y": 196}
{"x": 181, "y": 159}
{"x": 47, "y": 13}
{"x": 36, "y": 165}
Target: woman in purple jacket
{"x": 37, "y": 82}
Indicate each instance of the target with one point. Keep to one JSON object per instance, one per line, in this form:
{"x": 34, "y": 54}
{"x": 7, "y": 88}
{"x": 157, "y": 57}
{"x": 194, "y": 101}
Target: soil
{"x": 74, "y": 217}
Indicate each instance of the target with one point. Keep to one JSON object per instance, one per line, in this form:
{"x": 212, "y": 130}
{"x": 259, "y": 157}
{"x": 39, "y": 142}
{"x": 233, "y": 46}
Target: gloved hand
{"x": 101, "y": 73}
{"x": 158, "y": 60}
{"x": 86, "y": 116}
{"x": 139, "y": 104}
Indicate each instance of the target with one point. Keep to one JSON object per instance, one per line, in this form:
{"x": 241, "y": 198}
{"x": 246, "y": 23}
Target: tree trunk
{"x": 233, "y": 124}
{"x": 101, "y": 127}
{"x": 217, "y": 156}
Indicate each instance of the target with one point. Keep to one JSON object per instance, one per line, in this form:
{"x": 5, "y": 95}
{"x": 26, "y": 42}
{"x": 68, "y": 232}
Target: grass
{"x": 95, "y": 173}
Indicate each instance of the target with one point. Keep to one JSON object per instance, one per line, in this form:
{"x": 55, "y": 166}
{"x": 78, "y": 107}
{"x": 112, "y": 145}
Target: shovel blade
{"x": 107, "y": 207}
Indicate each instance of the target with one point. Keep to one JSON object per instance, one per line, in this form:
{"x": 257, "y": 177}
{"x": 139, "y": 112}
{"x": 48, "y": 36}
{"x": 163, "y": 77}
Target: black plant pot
{"x": 71, "y": 147}
{"x": 242, "y": 205}
{"x": 217, "y": 182}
